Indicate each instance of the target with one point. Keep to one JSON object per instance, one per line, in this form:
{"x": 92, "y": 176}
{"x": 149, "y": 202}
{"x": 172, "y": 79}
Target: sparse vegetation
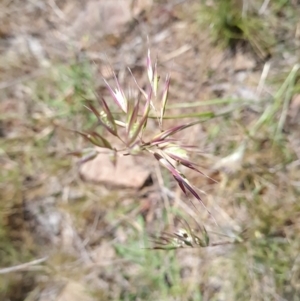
{"x": 97, "y": 241}
{"x": 262, "y": 25}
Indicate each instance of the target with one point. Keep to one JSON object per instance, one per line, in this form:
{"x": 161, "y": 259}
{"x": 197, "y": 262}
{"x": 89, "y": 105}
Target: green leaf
{"x": 164, "y": 98}
{"x": 96, "y": 139}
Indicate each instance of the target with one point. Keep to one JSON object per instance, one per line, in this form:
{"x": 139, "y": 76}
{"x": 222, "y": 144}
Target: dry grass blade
{"x": 23, "y": 266}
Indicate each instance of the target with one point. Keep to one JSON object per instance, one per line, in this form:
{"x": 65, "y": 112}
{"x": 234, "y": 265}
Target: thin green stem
{"x": 188, "y": 115}
{"x": 216, "y": 101}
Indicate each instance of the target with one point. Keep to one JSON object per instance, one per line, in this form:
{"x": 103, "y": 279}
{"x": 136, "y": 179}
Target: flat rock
{"x": 127, "y": 173}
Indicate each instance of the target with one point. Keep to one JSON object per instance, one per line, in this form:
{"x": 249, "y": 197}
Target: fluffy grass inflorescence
{"x": 132, "y": 120}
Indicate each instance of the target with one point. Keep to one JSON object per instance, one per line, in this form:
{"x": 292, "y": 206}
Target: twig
{"x": 21, "y": 79}
{"x": 263, "y": 7}
{"x": 176, "y": 53}
{"x": 263, "y": 78}
{"x": 22, "y": 266}
{"x": 57, "y": 10}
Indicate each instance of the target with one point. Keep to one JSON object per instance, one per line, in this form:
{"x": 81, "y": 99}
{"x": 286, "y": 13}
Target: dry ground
{"x": 92, "y": 235}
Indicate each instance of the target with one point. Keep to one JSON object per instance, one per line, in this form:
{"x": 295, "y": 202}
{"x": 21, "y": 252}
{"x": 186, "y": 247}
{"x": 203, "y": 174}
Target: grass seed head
{"x": 133, "y": 117}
